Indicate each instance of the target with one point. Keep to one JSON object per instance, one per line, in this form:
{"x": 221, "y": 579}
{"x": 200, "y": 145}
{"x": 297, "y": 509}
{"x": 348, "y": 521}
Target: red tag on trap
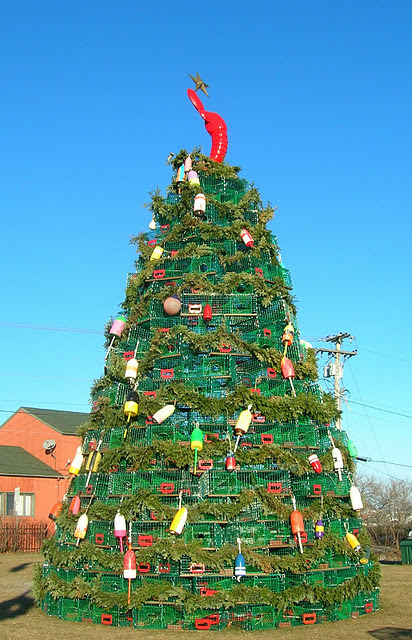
{"x": 274, "y": 487}
{"x": 201, "y": 624}
{"x": 164, "y": 567}
{"x": 257, "y": 417}
{"x": 205, "y": 465}
{"x": 197, "y": 567}
{"x": 309, "y": 618}
{"x": 208, "y": 439}
{"x": 167, "y": 487}
{"x": 143, "y": 567}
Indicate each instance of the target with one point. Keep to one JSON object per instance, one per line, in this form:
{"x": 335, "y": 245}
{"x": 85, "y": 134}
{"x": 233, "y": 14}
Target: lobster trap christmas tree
{"x": 212, "y": 488}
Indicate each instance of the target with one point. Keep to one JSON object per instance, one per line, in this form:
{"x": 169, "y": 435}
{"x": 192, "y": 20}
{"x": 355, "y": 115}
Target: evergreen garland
{"x": 162, "y": 590}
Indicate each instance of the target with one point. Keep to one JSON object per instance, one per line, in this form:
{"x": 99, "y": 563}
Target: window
{"x": 25, "y": 506}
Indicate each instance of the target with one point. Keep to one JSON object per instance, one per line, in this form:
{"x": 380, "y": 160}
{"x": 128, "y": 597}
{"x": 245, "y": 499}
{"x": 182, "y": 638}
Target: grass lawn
{"x": 20, "y": 619}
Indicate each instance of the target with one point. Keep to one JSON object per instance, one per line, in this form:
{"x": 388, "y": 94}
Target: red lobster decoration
{"x": 215, "y": 125}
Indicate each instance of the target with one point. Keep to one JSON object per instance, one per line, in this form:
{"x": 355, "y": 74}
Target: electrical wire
{"x": 408, "y": 466}
{"x": 386, "y": 355}
{"x": 21, "y": 325}
{"x": 3, "y": 373}
{"x": 71, "y": 404}
{"x": 367, "y": 415}
{"x": 383, "y": 473}
{"x": 370, "y": 406}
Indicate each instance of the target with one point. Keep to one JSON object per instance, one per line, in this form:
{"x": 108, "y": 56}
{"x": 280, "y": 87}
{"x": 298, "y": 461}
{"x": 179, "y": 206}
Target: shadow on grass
{"x": 16, "y": 606}
{"x": 20, "y": 567}
{"x": 391, "y": 633}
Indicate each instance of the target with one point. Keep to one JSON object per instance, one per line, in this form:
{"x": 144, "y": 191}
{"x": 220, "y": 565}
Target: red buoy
{"x": 129, "y": 568}
{"x": 287, "y": 368}
{"x": 55, "y": 512}
{"x": 207, "y": 313}
{"x": 297, "y": 525}
{"x": 315, "y": 463}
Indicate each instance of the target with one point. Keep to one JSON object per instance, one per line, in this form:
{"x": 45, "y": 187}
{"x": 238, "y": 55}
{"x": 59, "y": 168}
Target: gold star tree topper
{"x": 199, "y": 84}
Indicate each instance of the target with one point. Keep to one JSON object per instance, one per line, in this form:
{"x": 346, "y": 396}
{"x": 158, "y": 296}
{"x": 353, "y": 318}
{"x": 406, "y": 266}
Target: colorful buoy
{"x": 319, "y": 529}
{"x": 120, "y": 530}
{"x": 297, "y": 524}
{"x": 242, "y": 424}
{"x": 247, "y": 238}
{"x": 240, "y": 564}
{"x": 196, "y": 444}
{"x": 179, "y": 519}
{"x": 129, "y": 569}
{"x": 315, "y": 463}
{"x": 288, "y": 372}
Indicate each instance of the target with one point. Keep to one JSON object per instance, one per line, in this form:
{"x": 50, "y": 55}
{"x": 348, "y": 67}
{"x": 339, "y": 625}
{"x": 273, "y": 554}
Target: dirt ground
{"x": 20, "y": 619}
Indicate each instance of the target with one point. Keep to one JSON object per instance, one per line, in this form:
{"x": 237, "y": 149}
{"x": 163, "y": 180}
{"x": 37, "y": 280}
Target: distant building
{"x": 36, "y": 447}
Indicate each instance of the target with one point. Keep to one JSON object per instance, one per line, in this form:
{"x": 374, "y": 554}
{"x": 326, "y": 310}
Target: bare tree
{"x": 388, "y": 508}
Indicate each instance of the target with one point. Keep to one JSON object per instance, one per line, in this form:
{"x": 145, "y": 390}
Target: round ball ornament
{"x": 172, "y": 305}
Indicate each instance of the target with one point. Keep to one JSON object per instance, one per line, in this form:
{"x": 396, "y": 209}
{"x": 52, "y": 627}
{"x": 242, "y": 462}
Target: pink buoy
{"x": 116, "y": 330}
{"x": 192, "y": 177}
{"x": 118, "y": 326}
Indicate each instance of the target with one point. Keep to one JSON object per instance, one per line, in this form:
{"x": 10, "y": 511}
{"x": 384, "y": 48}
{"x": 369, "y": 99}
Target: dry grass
{"x": 20, "y": 619}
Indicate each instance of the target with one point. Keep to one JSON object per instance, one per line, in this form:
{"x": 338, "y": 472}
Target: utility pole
{"x": 336, "y": 369}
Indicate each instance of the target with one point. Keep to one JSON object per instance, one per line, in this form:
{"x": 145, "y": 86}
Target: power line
{"x": 71, "y": 404}
{"x": 20, "y": 325}
{"x": 369, "y": 420}
{"x": 397, "y": 464}
{"x": 386, "y": 355}
{"x": 370, "y": 406}
{"x": 378, "y": 353}
{"x": 385, "y": 474}
{"x": 45, "y": 377}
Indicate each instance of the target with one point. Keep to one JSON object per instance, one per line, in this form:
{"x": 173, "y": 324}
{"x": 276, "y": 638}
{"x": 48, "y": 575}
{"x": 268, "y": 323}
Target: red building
{"x": 36, "y": 448}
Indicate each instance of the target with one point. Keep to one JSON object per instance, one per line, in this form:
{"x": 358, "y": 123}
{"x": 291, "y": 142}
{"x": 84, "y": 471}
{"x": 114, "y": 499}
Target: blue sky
{"x": 315, "y": 95}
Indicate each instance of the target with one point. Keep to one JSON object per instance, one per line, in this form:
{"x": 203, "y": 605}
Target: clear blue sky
{"x": 315, "y": 95}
